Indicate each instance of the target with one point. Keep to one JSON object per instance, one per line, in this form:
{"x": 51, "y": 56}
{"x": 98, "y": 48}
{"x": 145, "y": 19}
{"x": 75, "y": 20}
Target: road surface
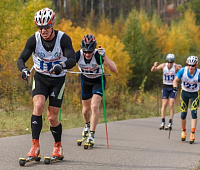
{"x": 135, "y": 144}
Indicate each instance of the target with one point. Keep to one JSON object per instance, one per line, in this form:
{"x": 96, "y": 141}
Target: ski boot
{"x": 168, "y": 127}
{"x": 90, "y": 141}
{"x": 192, "y": 138}
{"x": 33, "y": 155}
{"x": 183, "y": 135}
{"x": 57, "y": 154}
{"x": 84, "y": 135}
{"x": 162, "y": 126}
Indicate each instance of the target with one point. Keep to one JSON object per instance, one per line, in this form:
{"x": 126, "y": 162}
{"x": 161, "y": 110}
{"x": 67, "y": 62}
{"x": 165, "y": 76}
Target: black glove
{"x": 175, "y": 90}
{"x": 25, "y": 73}
{"x": 57, "y": 69}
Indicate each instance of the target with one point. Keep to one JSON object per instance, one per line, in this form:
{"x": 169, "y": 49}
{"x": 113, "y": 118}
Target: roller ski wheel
{"x": 23, "y": 161}
{"x": 79, "y": 142}
{"x": 192, "y": 141}
{"x": 88, "y": 145}
{"x": 192, "y": 138}
{"x": 48, "y": 160}
{"x": 183, "y": 139}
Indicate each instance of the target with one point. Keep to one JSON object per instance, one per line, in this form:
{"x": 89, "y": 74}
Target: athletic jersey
{"x": 189, "y": 83}
{"x": 43, "y": 60}
{"x": 89, "y": 66}
{"x": 169, "y": 74}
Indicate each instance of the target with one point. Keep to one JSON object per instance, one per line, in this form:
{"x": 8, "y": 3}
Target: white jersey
{"x": 44, "y": 60}
{"x": 169, "y": 75}
{"x": 190, "y": 84}
{"x": 92, "y": 67}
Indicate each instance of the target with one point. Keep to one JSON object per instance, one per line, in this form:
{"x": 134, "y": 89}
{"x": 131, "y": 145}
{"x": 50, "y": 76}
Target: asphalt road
{"x": 133, "y": 144}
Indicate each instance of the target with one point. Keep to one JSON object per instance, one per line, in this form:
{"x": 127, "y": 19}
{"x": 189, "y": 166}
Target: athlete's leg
{"x": 171, "y": 105}
{"x": 38, "y": 104}
{"x": 183, "y": 106}
{"x": 163, "y": 109}
{"x": 86, "y": 110}
{"x": 95, "y": 103}
{"x": 165, "y": 96}
{"x": 194, "y": 108}
{"x": 53, "y": 114}
{"x": 36, "y": 124}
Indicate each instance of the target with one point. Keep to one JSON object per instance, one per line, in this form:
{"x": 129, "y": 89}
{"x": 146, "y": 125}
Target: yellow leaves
{"x": 115, "y": 51}
{"x": 113, "y": 46}
{"x": 75, "y": 33}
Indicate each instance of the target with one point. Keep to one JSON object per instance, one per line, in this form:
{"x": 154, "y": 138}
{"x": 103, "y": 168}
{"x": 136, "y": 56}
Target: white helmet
{"x": 192, "y": 60}
{"x": 170, "y": 57}
{"x": 44, "y": 17}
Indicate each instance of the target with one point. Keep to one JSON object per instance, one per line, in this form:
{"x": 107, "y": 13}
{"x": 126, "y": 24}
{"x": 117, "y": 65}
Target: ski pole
{"x": 31, "y": 68}
{"x": 104, "y": 104}
{"x": 73, "y": 72}
{"x": 59, "y": 118}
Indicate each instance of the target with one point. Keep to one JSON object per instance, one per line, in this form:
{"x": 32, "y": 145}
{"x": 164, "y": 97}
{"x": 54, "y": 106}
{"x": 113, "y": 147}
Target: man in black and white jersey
{"x": 52, "y": 51}
{"x": 88, "y": 59}
{"x": 168, "y": 95}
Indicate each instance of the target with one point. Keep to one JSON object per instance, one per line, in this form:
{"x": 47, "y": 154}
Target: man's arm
{"x": 26, "y": 53}
{"x": 68, "y": 51}
{"x": 175, "y": 82}
{"x": 155, "y": 67}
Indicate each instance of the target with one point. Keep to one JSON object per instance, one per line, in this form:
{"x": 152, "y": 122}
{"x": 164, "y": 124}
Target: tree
{"x": 135, "y": 43}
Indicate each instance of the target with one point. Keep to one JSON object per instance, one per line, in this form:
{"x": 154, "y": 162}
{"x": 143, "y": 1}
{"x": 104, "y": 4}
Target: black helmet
{"x": 88, "y": 43}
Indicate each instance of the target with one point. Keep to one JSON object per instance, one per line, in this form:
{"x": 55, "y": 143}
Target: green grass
{"x": 17, "y": 122}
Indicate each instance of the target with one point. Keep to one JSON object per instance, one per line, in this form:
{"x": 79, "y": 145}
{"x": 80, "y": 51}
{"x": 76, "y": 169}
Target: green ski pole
{"x": 59, "y": 118}
{"x": 104, "y": 104}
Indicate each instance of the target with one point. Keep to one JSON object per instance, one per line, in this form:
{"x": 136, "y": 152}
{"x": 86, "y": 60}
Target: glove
{"x": 101, "y": 51}
{"x": 57, "y": 69}
{"x": 25, "y": 73}
{"x": 175, "y": 90}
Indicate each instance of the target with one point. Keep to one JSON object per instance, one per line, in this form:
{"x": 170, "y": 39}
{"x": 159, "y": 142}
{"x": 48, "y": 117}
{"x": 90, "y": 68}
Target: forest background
{"x": 134, "y": 34}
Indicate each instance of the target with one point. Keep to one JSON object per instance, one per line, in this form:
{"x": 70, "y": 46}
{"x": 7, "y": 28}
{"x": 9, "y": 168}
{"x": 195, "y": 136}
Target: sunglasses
{"x": 44, "y": 27}
{"x": 192, "y": 65}
{"x": 88, "y": 52}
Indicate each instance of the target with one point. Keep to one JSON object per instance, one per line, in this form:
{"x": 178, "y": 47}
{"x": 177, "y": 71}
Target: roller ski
{"x": 33, "y": 155}
{"x": 162, "y": 126}
{"x": 23, "y": 161}
{"x": 183, "y": 135}
{"x": 48, "y": 160}
{"x": 90, "y": 141}
{"x": 192, "y": 138}
{"x": 84, "y": 135}
{"x": 57, "y": 154}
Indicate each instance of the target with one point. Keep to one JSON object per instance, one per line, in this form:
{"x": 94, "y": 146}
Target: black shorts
{"x": 52, "y": 87}
{"x": 91, "y": 86}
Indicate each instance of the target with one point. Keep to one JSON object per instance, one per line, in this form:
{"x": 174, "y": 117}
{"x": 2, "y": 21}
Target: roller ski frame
{"x": 48, "y": 160}
{"x": 23, "y": 161}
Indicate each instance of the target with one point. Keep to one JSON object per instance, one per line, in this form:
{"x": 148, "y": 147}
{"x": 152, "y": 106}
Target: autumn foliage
{"x": 133, "y": 43}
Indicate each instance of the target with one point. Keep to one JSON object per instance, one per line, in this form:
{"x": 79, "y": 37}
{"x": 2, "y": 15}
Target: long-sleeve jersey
{"x": 65, "y": 44}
